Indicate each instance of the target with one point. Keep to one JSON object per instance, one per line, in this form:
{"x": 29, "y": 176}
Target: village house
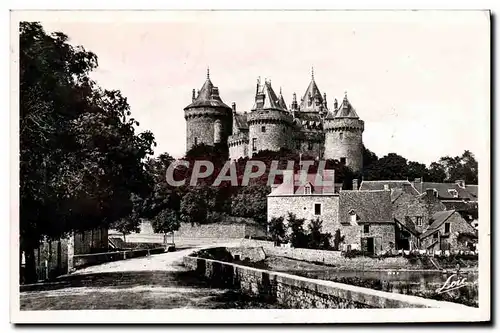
{"x": 363, "y": 218}
{"x": 448, "y": 230}
{"x": 366, "y": 220}
{"x": 411, "y": 214}
{"x": 307, "y": 200}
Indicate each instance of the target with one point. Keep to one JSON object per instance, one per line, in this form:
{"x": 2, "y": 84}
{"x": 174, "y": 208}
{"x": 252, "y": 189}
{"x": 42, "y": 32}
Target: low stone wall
{"x": 292, "y": 291}
{"x": 247, "y": 253}
{"x": 85, "y": 260}
{"x": 333, "y": 258}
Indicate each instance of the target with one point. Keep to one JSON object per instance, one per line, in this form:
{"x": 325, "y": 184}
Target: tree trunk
{"x": 124, "y": 239}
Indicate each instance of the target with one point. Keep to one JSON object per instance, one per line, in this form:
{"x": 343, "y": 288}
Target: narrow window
{"x": 317, "y": 209}
{"x": 263, "y": 129}
{"x": 307, "y": 190}
{"x": 435, "y": 236}
{"x": 419, "y": 221}
{"x": 254, "y": 144}
{"x": 195, "y": 141}
{"x": 342, "y": 160}
{"x": 366, "y": 229}
{"x": 309, "y": 146}
{"x": 447, "y": 228}
{"x": 341, "y": 136}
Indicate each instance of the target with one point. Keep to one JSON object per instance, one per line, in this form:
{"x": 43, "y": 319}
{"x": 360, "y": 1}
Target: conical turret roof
{"x": 346, "y": 110}
{"x": 266, "y": 98}
{"x": 282, "y": 101}
{"x": 208, "y": 95}
{"x": 312, "y": 100}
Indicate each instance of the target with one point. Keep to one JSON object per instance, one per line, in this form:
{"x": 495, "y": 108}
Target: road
{"x": 155, "y": 282}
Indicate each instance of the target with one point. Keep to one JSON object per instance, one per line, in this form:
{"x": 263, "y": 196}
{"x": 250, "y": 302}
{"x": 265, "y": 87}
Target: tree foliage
{"x": 80, "y": 155}
{"x": 277, "y": 230}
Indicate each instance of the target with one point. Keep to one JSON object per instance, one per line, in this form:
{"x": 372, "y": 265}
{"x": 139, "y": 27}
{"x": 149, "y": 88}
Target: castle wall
{"x": 207, "y": 126}
{"x": 269, "y": 130}
{"x": 343, "y": 139}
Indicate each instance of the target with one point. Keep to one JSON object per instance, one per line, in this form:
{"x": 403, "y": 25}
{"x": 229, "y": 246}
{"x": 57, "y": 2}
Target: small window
{"x": 263, "y": 129}
{"x": 307, "y": 190}
{"x": 386, "y": 187}
{"x": 254, "y": 144}
{"x": 309, "y": 146}
{"x": 453, "y": 192}
{"x": 195, "y": 141}
{"x": 447, "y": 228}
{"x": 342, "y": 160}
{"x": 341, "y": 136}
{"x": 366, "y": 229}
{"x": 419, "y": 221}
{"x": 317, "y": 209}
{"x": 435, "y": 236}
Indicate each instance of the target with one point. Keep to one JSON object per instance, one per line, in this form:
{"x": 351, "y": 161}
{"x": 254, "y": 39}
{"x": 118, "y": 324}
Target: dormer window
{"x": 453, "y": 193}
{"x": 386, "y": 187}
{"x": 307, "y": 189}
{"x": 353, "y": 216}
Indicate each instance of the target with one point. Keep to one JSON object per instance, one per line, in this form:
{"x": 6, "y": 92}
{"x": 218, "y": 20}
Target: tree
{"x": 416, "y": 170}
{"x": 166, "y": 221}
{"x": 127, "y": 225}
{"x": 194, "y": 206}
{"x": 251, "y": 201}
{"x": 337, "y": 240}
{"x": 80, "y": 157}
{"x": 298, "y": 238}
{"x": 369, "y": 157}
{"x": 390, "y": 167}
{"x": 277, "y": 230}
{"x": 436, "y": 173}
{"x": 316, "y": 239}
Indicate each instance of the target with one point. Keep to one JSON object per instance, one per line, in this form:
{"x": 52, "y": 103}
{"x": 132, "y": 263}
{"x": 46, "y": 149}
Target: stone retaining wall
{"x": 292, "y": 291}
{"x": 85, "y": 260}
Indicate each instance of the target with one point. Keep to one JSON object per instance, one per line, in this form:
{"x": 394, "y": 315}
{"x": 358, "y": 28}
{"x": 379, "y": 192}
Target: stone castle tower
{"x": 208, "y": 119}
{"x": 308, "y": 127}
{"x": 344, "y": 136}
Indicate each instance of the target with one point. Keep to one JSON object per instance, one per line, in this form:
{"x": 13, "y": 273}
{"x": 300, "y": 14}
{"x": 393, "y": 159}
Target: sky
{"x": 419, "y": 80}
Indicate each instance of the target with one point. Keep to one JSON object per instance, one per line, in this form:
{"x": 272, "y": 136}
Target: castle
{"x": 308, "y": 127}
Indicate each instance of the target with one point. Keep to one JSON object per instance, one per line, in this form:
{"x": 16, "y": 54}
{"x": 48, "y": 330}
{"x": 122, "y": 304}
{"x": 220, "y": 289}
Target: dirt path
{"x": 155, "y": 282}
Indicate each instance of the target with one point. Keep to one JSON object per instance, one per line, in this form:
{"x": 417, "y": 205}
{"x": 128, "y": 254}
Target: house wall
{"x": 408, "y": 205}
{"x": 457, "y": 225}
{"x": 303, "y": 207}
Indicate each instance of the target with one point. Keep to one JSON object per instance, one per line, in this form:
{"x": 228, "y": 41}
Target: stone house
{"x": 448, "y": 230}
{"x": 307, "y": 200}
{"x": 367, "y": 222}
{"x": 411, "y": 214}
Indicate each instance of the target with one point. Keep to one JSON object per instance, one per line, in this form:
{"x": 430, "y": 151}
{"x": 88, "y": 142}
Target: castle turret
{"x": 270, "y": 124}
{"x": 344, "y": 136}
{"x": 208, "y": 119}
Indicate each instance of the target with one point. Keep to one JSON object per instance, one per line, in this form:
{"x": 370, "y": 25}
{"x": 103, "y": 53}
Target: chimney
{"x": 430, "y": 192}
{"x": 354, "y": 184}
{"x": 233, "y": 106}
{"x": 460, "y": 183}
{"x": 335, "y": 104}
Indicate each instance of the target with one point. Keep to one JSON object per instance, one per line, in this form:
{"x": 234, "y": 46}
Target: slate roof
{"x": 240, "y": 122}
{"x": 443, "y": 190}
{"x": 369, "y": 206}
{"x": 207, "y": 96}
{"x": 346, "y": 110}
{"x": 308, "y": 101}
{"x": 378, "y": 185}
{"x": 281, "y": 101}
{"x": 437, "y": 221}
{"x": 271, "y": 101}
{"x": 298, "y": 186}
